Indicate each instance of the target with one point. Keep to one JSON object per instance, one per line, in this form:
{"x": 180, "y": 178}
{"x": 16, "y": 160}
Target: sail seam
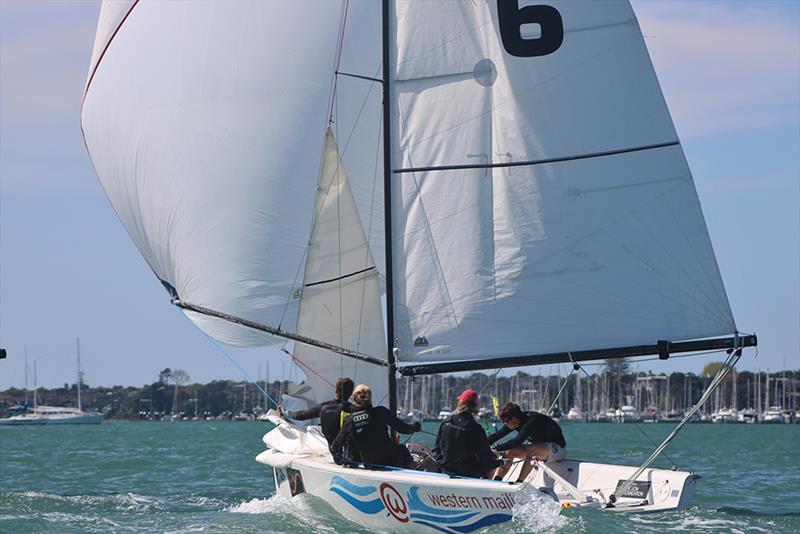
{"x": 340, "y": 277}
{"x": 537, "y": 161}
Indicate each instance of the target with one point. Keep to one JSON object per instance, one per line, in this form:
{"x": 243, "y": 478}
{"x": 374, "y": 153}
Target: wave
{"x": 732, "y": 510}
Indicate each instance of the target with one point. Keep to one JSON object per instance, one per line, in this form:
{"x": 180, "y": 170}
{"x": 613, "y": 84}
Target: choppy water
{"x": 202, "y": 477}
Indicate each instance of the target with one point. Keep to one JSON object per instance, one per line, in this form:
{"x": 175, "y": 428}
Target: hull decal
{"x": 348, "y": 491}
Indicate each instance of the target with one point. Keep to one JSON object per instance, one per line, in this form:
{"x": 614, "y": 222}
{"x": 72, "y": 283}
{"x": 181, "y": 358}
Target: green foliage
{"x": 712, "y": 368}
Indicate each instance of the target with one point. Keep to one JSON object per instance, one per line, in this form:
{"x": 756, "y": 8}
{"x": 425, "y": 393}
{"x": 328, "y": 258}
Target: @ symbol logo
{"x": 394, "y": 502}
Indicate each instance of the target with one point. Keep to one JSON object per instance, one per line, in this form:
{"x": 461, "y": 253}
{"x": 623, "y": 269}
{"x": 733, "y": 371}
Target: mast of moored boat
{"x": 387, "y": 206}
{"x": 35, "y": 388}
{"x": 78, "y": 385}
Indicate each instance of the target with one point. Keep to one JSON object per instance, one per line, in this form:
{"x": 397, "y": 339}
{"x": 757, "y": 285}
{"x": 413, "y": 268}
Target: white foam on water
{"x": 689, "y": 522}
{"x": 536, "y": 512}
{"x": 261, "y": 506}
{"x": 297, "y": 510}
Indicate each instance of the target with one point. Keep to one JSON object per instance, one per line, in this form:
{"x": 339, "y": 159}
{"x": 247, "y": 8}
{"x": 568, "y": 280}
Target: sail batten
{"x": 536, "y": 162}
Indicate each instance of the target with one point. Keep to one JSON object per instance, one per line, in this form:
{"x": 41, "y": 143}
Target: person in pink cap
{"x": 462, "y": 442}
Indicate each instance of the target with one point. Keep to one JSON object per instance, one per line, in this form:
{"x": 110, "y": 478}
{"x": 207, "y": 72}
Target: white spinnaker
{"x": 340, "y": 300}
{"x": 575, "y": 255}
{"x": 111, "y": 16}
{"x": 203, "y": 122}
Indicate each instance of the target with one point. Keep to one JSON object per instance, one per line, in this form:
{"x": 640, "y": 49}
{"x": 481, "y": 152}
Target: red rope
{"x": 304, "y": 364}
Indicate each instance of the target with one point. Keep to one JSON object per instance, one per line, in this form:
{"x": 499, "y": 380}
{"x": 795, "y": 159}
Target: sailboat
{"x": 537, "y": 208}
{"x": 57, "y": 415}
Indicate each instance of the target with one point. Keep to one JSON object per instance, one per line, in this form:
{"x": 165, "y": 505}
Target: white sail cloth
{"x": 203, "y": 122}
{"x": 340, "y": 300}
{"x": 592, "y": 253}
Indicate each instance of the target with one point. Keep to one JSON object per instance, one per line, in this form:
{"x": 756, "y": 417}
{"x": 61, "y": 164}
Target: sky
{"x": 730, "y": 72}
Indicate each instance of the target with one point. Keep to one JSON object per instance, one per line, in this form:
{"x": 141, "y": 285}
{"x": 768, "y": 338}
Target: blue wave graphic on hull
{"x": 444, "y": 520}
{"x": 352, "y": 488}
{"x": 482, "y": 522}
{"x": 367, "y": 507}
{"x": 348, "y": 490}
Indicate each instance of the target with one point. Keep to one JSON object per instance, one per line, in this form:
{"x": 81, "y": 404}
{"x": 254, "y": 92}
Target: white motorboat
{"x": 747, "y": 415}
{"x": 627, "y": 414}
{"x": 725, "y": 415}
{"x": 537, "y": 208}
{"x": 773, "y": 415}
{"x": 575, "y": 414}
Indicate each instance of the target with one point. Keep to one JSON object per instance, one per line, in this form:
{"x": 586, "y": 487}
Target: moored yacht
{"x": 747, "y": 415}
{"x": 725, "y": 415}
{"x": 575, "y": 414}
{"x": 773, "y": 415}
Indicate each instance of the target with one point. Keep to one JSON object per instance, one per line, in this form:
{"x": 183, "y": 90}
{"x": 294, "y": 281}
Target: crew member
{"x": 329, "y": 412}
{"x": 366, "y": 430}
{"x": 463, "y": 443}
{"x": 545, "y": 439}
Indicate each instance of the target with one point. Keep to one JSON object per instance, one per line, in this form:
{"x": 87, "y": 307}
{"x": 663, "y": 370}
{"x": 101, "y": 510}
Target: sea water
{"x": 202, "y": 477}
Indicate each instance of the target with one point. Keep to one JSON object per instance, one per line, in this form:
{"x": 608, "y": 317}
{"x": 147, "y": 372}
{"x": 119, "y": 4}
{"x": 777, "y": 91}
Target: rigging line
{"x": 304, "y": 364}
{"x": 338, "y": 55}
{"x": 489, "y": 381}
{"x": 340, "y": 41}
{"x": 546, "y": 387}
{"x": 544, "y": 161}
{"x": 566, "y": 381}
{"x": 605, "y": 391}
{"x": 235, "y": 363}
{"x": 730, "y": 363}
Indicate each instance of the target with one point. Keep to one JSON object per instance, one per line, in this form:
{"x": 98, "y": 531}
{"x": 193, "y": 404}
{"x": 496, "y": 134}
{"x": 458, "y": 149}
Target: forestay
{"x": 203, "y": 122}
{"x": 603, "y": 246}
{"x": 340, "y": 299}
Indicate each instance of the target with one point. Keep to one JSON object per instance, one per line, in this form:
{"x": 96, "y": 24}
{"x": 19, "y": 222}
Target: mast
{"x": 35, "y": 387}
{"x": 78, "y": 349}
{"x": 387, "y": 211}
{"x": 26, "y": 375}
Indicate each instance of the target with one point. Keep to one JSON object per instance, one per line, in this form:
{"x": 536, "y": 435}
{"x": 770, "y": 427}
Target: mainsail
{"x": 541, "y": 200}
{"x": 340, "y": 299}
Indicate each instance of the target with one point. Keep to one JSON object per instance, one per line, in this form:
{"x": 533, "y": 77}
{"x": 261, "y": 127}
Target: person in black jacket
{"x": 366, "y": 430}
{"x": 463, "y": 443}
{"x": 329, "y": 412}
{"x": 545, "y": 439}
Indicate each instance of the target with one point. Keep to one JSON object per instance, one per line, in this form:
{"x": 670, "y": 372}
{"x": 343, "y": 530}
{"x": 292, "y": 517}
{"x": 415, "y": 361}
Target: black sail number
{"x": 512, "y": 18}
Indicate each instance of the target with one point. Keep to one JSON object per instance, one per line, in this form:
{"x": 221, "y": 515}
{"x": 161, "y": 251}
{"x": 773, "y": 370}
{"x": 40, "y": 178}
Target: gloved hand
{"x": 417, "y": 426}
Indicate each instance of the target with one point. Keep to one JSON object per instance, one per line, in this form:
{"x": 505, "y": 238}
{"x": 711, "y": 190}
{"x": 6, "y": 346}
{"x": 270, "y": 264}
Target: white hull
{"x": 87, "y": 419}
{"x": 402, "y": 500}
{"x": 54, "y": 415}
